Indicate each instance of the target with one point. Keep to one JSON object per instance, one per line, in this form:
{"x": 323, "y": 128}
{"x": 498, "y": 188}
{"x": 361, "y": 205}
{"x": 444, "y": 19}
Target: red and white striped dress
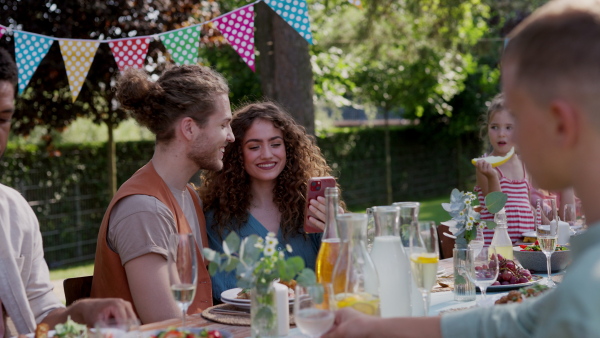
{"x": 519, "y": 212}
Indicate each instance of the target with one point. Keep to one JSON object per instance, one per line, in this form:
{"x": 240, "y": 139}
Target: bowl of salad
{"x": 532, "y": 258}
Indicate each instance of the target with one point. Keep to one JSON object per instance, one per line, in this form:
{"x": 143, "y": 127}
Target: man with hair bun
{"x": 26, "y": 295}
{"x": 550, "y": 77}
{"x": 188, "y": 110}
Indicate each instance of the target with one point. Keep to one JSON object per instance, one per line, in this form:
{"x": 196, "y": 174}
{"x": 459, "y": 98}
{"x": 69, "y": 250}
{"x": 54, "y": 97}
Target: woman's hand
{"x": 318, "y": 208}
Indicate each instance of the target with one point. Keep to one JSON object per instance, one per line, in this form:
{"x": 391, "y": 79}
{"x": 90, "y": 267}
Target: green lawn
{"x": 431, "y": 209}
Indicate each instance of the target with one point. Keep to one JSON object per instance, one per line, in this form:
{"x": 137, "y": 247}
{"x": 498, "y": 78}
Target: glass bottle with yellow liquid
{"x": 355, "y": 279}
{"x": 330, "y": 242}
{"x": 501, "y": 240}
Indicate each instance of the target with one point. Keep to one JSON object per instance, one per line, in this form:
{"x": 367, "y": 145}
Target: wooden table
{"x": 198, "y": 321}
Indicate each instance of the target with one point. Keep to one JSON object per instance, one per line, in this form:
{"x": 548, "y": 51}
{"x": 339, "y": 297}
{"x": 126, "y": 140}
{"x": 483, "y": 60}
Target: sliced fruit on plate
{"x": 495, "y": 160}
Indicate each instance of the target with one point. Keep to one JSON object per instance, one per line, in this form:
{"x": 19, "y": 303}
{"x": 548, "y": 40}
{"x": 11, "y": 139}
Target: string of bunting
{"x": 182, "y": 44}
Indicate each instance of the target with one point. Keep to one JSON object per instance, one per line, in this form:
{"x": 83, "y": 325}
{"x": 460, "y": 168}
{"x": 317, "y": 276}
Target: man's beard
{"x": 204, "y": 160}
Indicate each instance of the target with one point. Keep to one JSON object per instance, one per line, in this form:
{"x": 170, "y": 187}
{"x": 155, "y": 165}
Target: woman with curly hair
{"x": 262, "y": 185}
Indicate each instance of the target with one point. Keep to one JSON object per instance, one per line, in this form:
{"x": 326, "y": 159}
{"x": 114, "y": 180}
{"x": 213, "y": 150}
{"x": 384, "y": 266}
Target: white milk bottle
{"x": 391, "y": 263}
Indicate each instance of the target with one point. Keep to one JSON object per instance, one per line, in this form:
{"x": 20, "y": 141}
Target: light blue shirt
{"x": 570, "y": 310}
{"x": 307, "y": 248}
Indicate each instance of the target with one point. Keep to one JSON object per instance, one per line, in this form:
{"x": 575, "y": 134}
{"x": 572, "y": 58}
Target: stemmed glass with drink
{"x": 183, "y": 270}
{"x": 547, "y": 236}
{"x": 485, "y": 272}
{"x": 313, "y": 309}
{"x": 424, "y": 257}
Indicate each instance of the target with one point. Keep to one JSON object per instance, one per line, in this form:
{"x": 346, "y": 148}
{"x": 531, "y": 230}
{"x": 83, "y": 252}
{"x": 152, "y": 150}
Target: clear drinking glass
{"x": 570, "y": 214}
{"x": 424, "y": 257}
{"x": 313, "y": 309}
{"x": 485, "y": 270}
{"x": 547, "y": 235}
{"x": 477, "y": 243}
{"x": 183, "y": 270}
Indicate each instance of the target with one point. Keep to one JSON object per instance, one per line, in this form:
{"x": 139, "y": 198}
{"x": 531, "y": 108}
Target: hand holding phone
{"x": 315, "y": 188}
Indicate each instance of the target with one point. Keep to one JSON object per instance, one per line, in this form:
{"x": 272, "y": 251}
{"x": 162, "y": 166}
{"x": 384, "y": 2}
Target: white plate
{"x": 230, "y": 297}
{"x": 530, "y": 234}
{"x": 498, "y": 288}
{"x": 240, "y": 305}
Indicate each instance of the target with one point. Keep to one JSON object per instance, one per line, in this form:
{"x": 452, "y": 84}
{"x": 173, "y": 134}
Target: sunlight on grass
{"x": 75, "y": 271}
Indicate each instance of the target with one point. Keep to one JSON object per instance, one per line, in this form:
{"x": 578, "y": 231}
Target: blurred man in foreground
{"x": 26, "y": 294}
{"x": 551, "y": 77}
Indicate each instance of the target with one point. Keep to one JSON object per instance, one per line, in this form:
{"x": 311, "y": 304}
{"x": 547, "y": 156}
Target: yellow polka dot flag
{"x": 78, "y": 56}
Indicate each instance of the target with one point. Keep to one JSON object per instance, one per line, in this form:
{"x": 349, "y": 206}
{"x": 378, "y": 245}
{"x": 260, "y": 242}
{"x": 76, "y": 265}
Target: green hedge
{"x": 69, "y": 192}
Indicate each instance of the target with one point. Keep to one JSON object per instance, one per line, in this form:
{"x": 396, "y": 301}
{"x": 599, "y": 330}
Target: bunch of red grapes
{"x": 511, "y": 273}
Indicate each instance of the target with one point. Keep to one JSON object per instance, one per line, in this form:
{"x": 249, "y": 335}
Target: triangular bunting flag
{"x": 78, "y": 56}
{"x": 357, "y": 3}
{"x": 2, "y": 30}
{"x": 30, "y": 49}
{"x": 238, "y": 28}
{"x": 294, "y": 12}
{"x": 183, "y": 44}
{"x": 130, "y": 53}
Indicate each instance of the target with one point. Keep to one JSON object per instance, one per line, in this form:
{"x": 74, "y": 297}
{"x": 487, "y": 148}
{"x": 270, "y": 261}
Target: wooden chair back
{"x": 77, "y": 288}
{"x": 446, "y": 243}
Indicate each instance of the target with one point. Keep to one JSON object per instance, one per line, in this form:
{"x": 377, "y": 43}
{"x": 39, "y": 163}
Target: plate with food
{"x": 193, "y": 332}
{"x": 507, "y": 287}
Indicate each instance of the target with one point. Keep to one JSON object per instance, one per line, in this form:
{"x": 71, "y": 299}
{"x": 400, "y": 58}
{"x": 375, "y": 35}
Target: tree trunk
{"x": 112, "y": 161}
{"x": 388, "y": 158}
{"x": 284, "y": 66}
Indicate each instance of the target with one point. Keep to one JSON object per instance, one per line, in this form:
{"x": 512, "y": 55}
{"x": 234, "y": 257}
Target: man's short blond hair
{"x": 556, "y": 53}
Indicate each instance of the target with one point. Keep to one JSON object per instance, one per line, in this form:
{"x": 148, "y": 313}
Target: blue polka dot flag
{"x": 30, "y": 49}
{"x": 294, "y": 12}
{"x": 183, "y": 44}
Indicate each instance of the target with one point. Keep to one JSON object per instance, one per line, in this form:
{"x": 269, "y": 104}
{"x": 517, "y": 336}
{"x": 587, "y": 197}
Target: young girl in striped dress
{"x": 510, "y": 177}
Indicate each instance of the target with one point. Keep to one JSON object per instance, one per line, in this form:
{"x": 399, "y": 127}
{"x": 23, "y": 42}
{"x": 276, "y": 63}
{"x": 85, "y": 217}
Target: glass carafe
{"x": 391, "y": 263}
{"x": 501, "y": 240}
{"x": 409, "y": 217}
{"x": 330, "y": 242}
{"x": 355, "y": 279}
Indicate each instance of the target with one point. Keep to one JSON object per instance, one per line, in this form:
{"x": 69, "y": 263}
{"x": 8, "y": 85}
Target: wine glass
{"x": 485, "y": 270}
{"x": 313, "y": 311}
{"x": 424, "y": 257}
{"x": 183, "y": 270}
{"x": 547, "y": 235}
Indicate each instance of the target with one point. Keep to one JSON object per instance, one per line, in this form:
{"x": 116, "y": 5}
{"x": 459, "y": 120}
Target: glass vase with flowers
{"x": 466, "y": 228}
{"x": 258, "y": 264}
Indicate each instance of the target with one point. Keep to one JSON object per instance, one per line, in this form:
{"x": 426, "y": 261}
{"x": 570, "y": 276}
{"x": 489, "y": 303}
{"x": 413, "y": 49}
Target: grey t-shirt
{"x": 141, "y": 224}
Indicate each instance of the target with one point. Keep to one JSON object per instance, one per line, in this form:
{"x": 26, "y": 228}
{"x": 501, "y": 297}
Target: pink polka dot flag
{"x": 2, "y": 31}
{"x": 238, "y": 28}
{"x": 130, "y": 53}
{"x": 78, "y": 56}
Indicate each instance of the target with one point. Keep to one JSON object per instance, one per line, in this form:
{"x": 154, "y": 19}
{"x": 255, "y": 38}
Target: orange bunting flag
{"x": 78, "y": 56}
{"x": 356, "y": 3}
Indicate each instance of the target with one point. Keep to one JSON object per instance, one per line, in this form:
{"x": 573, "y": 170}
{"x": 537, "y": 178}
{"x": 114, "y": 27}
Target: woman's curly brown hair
{"x": 227, "y": 192}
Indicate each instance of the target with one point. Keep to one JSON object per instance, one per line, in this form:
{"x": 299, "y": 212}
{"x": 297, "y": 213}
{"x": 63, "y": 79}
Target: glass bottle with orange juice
{"x": 330, "y": 242}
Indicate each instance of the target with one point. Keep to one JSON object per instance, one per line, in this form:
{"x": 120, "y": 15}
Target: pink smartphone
{"x": 316, "y": 187}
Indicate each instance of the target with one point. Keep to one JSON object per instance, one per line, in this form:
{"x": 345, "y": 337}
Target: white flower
{"x": 271, "y": 234}
{"x": 281, "y": 255}
{"x": 269, "y": 250}
{"x": 481, "y": 225}
{"x": 462, "y": 213}
{"x": 271, "y": 241}
{"x": 288, "y": 248}
{"x": 259, "y": 245}
{"x": 469, "y": 225}
{"x": 260, "y": 240}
